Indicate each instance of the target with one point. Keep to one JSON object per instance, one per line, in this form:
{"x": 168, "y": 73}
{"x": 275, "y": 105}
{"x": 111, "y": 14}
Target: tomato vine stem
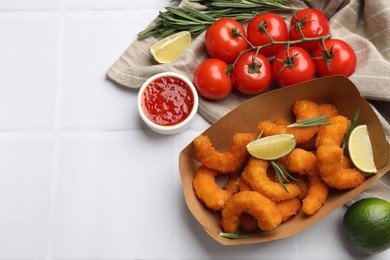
{"x": 288, "y": 43}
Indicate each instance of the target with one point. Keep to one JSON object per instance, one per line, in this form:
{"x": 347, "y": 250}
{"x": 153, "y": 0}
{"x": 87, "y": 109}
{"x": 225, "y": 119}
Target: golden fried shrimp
{"x": 332, "y": 168}
{"x": 316, "y": 196}
{"x": 267, "y": 128}
{"x": 260, "y": 207}
{"x": 229, "y": 161}
{"x": 209, "y": 192}
{"x": 255, "y": 174}
{"x": 288, "y": 208}
{"x": 327, "y": 109}
{"x": 303, "y": 185}
{"x": 303, "y": 109}
{"x": 334, "y": 132}
{"x": 305, "y": 163}
{"x": 243, "y": 185}
{"x": 301, "y": 161}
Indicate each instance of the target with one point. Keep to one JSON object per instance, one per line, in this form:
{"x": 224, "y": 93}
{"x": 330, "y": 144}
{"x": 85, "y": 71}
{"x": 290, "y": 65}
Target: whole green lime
{"x": 367, "y": 225}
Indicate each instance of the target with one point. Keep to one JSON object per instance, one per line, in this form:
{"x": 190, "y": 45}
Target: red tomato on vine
{"x": 310, "y": 23}
{"x": 211, "y": 79}
{"x": 265, "y": 26}
{"x": 252, "y": 74}
{"x": 220, "y": 41}
{"x": 292, "y": 65}
{"x": 335, "y": 57}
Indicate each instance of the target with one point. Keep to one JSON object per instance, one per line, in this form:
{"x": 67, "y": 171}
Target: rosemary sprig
{"x": 315, "y": 121}
{"x": 282, "y": 175}
{"x": 232, "y": 235}
{"x": 196, "y": 21}
{"x": 351, "y": 126}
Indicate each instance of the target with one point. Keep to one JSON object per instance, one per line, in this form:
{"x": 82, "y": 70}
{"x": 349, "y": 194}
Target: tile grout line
{"x": 56, "y": 130}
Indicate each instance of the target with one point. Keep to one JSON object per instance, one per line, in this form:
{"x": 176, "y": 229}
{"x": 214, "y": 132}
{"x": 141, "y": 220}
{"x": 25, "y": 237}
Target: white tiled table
{"x": 80, "y": 175}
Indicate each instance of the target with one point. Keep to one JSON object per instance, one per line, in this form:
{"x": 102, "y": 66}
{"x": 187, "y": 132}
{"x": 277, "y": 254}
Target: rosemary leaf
{"x": 315, "y": 121}
{"x": 196, "y": 21}
{"x": 202, "y": 15}
{"x": 181, "y": 13}
{"x": 351, "y": 126}
{"x": 279, "y": 174}
{"x": 282, "y": 175}
{"x": 232, "y": 235}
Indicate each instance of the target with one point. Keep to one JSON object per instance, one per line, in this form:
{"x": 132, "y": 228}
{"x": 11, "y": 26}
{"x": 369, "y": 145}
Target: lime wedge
{"x": 272, "y": 147}
{"x": 360, "y": 150}
{"x": 169, "y": 49}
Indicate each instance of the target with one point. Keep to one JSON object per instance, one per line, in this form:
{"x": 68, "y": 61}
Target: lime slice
{"x": 272, "y": 147}
{"x": 169, "y": 49}
{"x": 360, "y": 150}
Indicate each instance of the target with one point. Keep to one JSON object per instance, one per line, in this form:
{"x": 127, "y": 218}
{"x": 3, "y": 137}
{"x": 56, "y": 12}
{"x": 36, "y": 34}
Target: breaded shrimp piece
{"x": 327, "y": 109}
{"x": 288, "y": 208}
{"x": 243, "y": 185}
{"x": 260, "y": 207}
{"x": 303, "y": 109}
{"x": 305, "y": 163}
{"x": 209, "y": 192}
{"x": 334, "y": 132}
{"x": 317, "y": 195}
{"x": 255, "y": 174}
{"x": 332, "y": 168}
{"x": 229, "y": 161}
{"x": 303, "y": 185}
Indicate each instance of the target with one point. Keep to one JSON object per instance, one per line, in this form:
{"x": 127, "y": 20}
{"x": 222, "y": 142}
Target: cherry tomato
{"x": 276, "y": 28}
{"x": 337, "y": 57}
{"x": 252, "y": 74}
{"x": 220, "y": 41}
{"x": 293, "y": 68}
{"x": 211, "y": 79}
{"x": 313, "y": 23}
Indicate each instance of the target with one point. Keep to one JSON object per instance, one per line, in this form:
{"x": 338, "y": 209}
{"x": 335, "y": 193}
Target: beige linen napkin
{"x": 365, "y": 25}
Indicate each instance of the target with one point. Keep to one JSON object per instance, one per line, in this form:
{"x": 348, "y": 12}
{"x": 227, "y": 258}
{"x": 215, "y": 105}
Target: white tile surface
{"x": 92, "y": 42}
{"x": 18, "y": 5}
{"x": 104, "y": 199}
{"x": 28, "y": 52}
{"x": 26, "y": 165}
{"x": 80, "y": 175}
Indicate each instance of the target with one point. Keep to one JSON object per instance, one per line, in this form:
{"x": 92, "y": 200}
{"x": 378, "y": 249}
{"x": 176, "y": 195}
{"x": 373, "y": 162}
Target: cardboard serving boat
{"x": 336, "y": 90}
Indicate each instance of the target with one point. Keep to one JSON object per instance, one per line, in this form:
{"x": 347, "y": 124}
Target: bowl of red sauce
{"x": 167, "y": 102}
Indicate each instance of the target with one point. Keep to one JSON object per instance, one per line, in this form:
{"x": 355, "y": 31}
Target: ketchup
{"x": 167, "y": 101}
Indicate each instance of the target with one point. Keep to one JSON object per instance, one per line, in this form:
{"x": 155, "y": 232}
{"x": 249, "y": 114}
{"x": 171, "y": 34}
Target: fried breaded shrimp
{"x": 303, "y": 109}
{"x": 334, "y": 132}
{"x": 303, "y": 185}
{"x": 332, "y": 168}
{"x": 243, "y": 185}
{"x": 255, "y": 174}
{"x": 317, "y": 195}
{"x": 262, "y": 208}
{"x": 229, "y": 161}
{"x": 305, "y": 163}
{"x": 288, "y": 208}
{"x": 209, "y": 192}
{"x": 327, "y": 109}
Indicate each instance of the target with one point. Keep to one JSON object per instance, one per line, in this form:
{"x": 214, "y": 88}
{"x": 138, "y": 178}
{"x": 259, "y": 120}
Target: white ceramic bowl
{"x": 168, "y": 129}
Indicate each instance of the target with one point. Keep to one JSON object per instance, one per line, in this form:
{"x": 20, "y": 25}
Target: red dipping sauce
{"x": 167, "y": 101}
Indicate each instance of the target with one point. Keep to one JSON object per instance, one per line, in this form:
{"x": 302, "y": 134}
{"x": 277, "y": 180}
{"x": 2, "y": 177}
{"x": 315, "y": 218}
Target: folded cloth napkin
{"x": 365, "y": 25}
